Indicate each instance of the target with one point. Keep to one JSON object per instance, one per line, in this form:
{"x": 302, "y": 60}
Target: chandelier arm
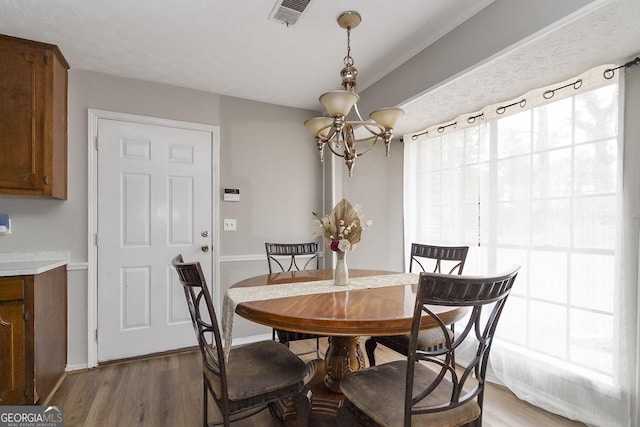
{"x": 368, "y": 138}
{"x": 320, "y": 144}
{"x": 368, "y": 125}
{"x": 331, "y": 142}
{"x": 355, "y": 108}
{"x": 349, "y": 139}
{"x": 375, "y": 140}
{"x": 330, "y": 133}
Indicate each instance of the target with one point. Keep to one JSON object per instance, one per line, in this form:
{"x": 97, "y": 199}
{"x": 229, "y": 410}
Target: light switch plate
{"x": 229, "y": 224}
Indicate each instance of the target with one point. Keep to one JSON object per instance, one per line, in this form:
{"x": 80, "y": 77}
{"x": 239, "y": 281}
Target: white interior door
{"x": 154, "y": 202}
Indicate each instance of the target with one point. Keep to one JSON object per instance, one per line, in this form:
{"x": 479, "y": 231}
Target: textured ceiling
{"x": 230, "y": 47}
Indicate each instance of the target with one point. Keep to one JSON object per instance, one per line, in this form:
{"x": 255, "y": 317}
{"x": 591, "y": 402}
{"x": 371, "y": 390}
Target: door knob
{"x": 204, "y": 248}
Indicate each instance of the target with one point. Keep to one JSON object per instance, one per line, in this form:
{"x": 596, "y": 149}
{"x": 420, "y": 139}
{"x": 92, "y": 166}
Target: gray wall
{"x": 267, "y": 153}
{"x": 376, "y": 185}
{"x": 264, "y": 151}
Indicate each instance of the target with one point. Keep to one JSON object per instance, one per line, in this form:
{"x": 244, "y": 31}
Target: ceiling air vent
{"x": 287, "y": 12}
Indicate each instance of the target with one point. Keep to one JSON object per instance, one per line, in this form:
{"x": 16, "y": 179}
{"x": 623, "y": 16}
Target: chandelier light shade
{"x": 335, "y": 130}
{"x": 339, "y": 102}
{"x": 387, "y": 117}
{"x": 319, "y": 125}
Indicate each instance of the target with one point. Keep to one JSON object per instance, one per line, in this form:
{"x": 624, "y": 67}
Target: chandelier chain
{"x": 348, "y": 60}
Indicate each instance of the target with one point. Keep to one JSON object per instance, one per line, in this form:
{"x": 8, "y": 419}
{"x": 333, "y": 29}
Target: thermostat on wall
{"x": 231, "y": 195}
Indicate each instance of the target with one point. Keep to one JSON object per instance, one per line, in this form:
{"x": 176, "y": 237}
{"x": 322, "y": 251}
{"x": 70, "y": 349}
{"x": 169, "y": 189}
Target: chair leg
{"x": 302, "y": 405}
{"x": 205, "y": 404}
{"x": 453, "y": 354}
{"x": 286, "y": 343}
{"x": 317, "y": 347}
{"x": 345, "y": 416}
{"x": 370, "y": 346}
{"x": 478, "y": 421}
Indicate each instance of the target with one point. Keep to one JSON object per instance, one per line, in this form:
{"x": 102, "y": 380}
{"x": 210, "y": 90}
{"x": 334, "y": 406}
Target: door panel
{"x": 154, "y": 201}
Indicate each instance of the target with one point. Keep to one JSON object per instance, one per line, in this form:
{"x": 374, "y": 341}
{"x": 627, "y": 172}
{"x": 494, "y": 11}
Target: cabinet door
{"x": 12, "y": 354}
{"x": 22, "y": 118}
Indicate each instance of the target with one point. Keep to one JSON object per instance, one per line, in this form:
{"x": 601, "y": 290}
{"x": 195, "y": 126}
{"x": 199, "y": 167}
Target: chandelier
{"x": 335, "y": 130}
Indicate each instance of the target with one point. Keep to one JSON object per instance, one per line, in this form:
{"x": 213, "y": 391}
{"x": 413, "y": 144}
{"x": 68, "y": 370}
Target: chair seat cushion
{"x": 260, "y": 373}
{"x": 379, "y": 393}
{"x": 428, "y": 340}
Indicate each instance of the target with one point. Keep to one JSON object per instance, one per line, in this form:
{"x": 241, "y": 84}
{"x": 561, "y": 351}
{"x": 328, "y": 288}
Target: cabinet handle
{"x": 45, "y": 180}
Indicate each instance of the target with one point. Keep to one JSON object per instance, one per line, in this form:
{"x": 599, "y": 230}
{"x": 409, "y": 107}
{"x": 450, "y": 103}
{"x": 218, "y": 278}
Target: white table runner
{"x": 235, "y": 296}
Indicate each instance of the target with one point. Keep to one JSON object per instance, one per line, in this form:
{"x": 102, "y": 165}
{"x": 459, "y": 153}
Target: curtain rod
{"x": 610, "y": 72}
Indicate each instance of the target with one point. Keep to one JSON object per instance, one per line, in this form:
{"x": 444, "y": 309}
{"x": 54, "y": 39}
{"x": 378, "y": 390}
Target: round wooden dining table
{"x": 343, "y": 315}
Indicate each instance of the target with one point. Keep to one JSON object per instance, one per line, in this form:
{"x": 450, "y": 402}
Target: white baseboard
{"x": 236, "y": 341}
{"x": 76, "y": 367}
{"x": 249, "y": 340}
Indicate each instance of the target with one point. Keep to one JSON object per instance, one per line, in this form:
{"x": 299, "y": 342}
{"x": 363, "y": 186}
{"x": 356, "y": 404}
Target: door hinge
{"x": 95, "y": 239}
{"x": 96, "y": 335}
{"x": 97, "y": 144}
{"x": 45, "y": 180}
{"x": 25, "y": 316}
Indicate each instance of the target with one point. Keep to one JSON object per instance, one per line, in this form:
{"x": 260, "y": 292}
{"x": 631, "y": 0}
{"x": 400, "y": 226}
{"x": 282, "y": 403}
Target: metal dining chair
{"x": 292, "y": 253}
{"x": 449, "y": 259}
{"x": 285, "y": 257}
{"x": 425, "y": 389}
{"x": 256, "y": 376}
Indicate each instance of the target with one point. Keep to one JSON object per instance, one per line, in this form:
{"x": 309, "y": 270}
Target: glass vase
{"x": 341, "y": 273}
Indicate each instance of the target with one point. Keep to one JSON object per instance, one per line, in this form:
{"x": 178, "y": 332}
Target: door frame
{"x": 94, "y": 116}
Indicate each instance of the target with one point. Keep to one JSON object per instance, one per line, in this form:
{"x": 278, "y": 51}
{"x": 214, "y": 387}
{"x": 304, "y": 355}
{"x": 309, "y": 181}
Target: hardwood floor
{"x": 167, "y": 391}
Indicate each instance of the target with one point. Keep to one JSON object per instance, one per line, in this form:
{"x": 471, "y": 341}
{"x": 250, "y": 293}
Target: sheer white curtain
{"x": 538, "y": 183}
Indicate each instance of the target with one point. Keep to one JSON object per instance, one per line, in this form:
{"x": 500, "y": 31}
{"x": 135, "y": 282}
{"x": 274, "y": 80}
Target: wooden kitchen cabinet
{"x": 33, "y": 118}
{"x": 33, "y": 336}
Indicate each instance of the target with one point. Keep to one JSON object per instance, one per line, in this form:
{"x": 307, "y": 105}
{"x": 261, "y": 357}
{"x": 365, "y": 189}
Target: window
{"x": 539, "y": 188}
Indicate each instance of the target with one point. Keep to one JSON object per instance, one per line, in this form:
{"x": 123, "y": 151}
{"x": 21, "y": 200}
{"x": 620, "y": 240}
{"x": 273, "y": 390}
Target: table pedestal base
{"x": 343, "y": 357}
{"x": 324, "y": 403}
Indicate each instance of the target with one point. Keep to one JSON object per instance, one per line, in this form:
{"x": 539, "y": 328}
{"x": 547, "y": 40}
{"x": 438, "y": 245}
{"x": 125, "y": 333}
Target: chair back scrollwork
{"x": 293, "y": 253}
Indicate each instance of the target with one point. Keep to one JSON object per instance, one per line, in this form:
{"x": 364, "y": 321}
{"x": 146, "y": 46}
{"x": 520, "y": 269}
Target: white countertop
{"x": 28, "y": 268}
{"x": 24, "y": 264}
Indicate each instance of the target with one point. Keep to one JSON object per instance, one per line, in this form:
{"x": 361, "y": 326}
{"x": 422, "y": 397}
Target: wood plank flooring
{"x": 167, "y": 391}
